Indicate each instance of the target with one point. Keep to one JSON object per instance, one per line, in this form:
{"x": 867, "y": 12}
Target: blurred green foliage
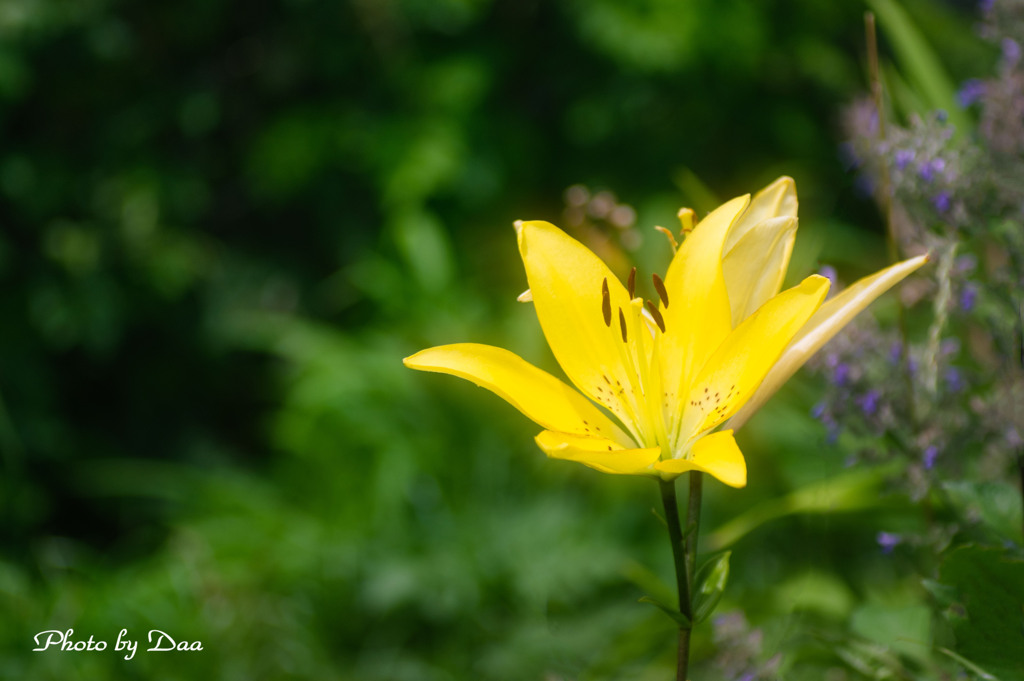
{"x": 222, "y": 227}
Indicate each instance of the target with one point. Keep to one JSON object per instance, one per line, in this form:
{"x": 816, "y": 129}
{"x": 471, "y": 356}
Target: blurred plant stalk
{"x": 886, "y": 204}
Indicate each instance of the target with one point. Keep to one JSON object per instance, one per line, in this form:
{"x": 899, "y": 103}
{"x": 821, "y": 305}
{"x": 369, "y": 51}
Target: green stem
{"x": 693, "y": 525}
{"x": 1018, "y": 369}
{"x": 1020, "y": 467}
{"x": 675, "y": 535}
{"x": 684, "y": 557}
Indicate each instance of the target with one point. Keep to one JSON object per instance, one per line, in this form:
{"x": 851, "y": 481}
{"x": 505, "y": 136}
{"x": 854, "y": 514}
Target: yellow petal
{"x": 540, "y": 396}
{"x": 756, "y": 265}
{"x": 598, "y": 453}
{"x": 697, "y": 317}
{"x": 776, "y": 200}
{"x": 826, "y": 322}
{"x": 739, "y": 365}
{"x": 716, "y": 454}
{"x": 566, "y": 281}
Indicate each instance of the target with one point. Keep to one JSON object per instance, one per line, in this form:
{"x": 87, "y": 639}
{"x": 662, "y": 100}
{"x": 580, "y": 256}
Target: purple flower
{"x": 868, "y": 402}
{"x": 954, "y": 381}
{"x": 896, "y": 357}
{"x": 903, "y": 158}
{"x": 970, "y": 92}
{"x": 841, "y": 374}
{"x": 832, "y": 429}
{"x": 1011, "y": 51}
{"x": 965, "y": 263}
{"x": 818, "y": 410}
{"x": 930, "y": 454}
{"x": 968, "y": 296}
{"x": 888, "y": 541}
{"x": 895, "y": 352}
{"x": 985, "y": 5}
{"x": 829, "y": 273}
{"x": 941, "y": 202}
{"x": 929, "y": 169}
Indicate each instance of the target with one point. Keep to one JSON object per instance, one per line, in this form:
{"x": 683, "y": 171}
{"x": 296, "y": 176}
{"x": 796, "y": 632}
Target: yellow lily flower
{"x": 669, "y": 374}
{"x": 754, "y": 261}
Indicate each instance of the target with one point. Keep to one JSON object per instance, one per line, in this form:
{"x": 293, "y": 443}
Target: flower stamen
{"x": 671, "y": 239}
{"x": 622, "y": 326}
{"x": 688, "y": 218}
{"x": 659, "y": 286}
{"x": 631, "y": 283}
{"x": 606, "y": 303}
{"x": 658, "y": 319}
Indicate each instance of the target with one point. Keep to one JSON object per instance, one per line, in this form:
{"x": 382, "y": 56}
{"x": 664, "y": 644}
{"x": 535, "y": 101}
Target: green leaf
{"x": 906, "y": 100}
{"x": 648, "y": 581}
{"x": 709, "y": 584}
{"x": 968, "y": 665}
{"x": 814, "y": 591}
{"x": 903, "y": 629}
{"x": 679, "y": 618}
{"x": 698, "y": 194}
{"x": 997, "y": 504}
{"x": 919, "y": 61}
{"x": 854, "y": 490}
{"x": 943, "y": 594}
{"x": 426, "y": 247}
{"x": 871, "y": 659}
{"x": 988, "y": 616}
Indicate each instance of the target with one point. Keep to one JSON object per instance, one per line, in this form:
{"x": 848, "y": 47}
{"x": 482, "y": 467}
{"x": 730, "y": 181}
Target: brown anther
{"x": 688, "y": 220}
{"x": 631, "y": 283}
{"x": 658, "y": 319}
{"x": 622, "y": 326}
{"x": 659, "y": 286}
{"x": 606, "y": 303}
